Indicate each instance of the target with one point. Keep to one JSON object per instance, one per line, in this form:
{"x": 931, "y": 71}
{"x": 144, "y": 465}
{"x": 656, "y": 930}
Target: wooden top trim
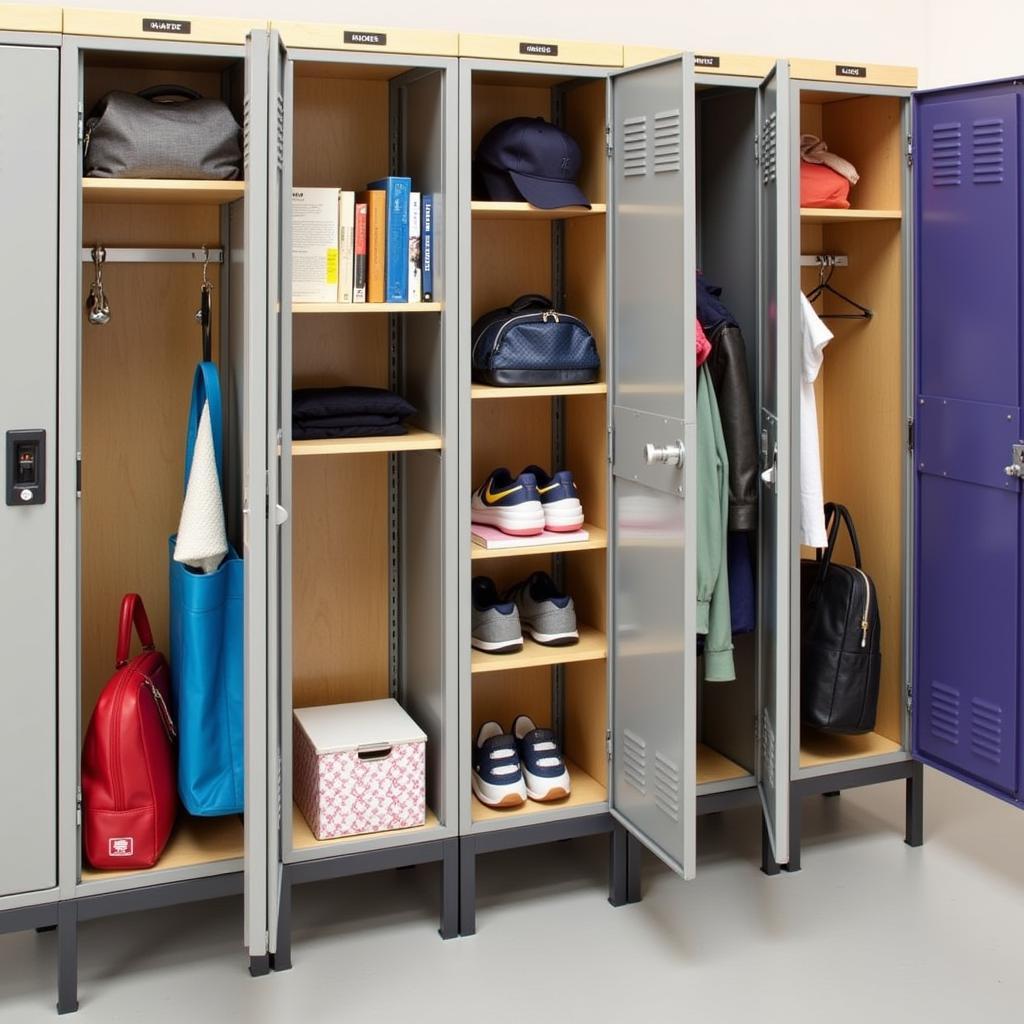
{"x": 858, "y": 73}
{"x": 23, "y": 18}
{"x": 540, "y": 49}
{"x": 146, "y": 25}
{"x": 706, "y": 62}
{"x": 321, "y": 36}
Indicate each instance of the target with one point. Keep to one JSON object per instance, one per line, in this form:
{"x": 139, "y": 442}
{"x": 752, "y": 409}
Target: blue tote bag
{"x": 207, "y": 665}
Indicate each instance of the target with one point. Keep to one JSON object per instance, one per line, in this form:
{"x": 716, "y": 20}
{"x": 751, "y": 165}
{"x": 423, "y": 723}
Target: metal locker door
{"x": 28, "y": 520}
{"x": 254, "y": 501}
{"x": 653, "y": 570}
{"x": 779, "y": 497}
{"x": 966, "y": 700}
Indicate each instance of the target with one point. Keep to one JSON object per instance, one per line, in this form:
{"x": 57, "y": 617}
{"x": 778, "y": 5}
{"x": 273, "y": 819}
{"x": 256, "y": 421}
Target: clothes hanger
{"x": 824, "y": 285}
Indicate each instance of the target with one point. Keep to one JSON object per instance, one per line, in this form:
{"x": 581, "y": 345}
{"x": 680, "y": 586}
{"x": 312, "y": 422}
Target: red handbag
{"x": 129, "y": 795}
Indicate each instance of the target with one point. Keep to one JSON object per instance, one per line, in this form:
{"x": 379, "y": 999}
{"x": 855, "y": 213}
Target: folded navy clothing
{"x": 710, "y": 311}
{"x": 355, "y": 420}
{"x": 311, "y": 432}
{"x": 317, "y": 403}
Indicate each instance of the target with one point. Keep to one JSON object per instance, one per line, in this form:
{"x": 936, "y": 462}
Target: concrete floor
{"x": 870, "y": 930}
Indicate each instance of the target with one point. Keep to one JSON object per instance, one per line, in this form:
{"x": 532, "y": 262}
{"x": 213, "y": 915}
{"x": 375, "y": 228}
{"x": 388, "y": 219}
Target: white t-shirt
{"x": 812, "y": 516}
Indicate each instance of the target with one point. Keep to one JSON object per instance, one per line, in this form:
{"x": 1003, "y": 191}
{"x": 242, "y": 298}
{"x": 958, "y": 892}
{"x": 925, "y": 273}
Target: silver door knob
{"x": 670, "y": 455}
{"x": 1016, "y": 470}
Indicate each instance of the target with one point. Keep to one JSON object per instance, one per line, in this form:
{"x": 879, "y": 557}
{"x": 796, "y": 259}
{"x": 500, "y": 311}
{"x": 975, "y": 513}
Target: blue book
{"x": 396, "y": 247}
{"x": 427, "y": 252}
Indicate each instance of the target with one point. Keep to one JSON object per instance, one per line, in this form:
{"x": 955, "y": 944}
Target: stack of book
{"x": 372, "y": 246}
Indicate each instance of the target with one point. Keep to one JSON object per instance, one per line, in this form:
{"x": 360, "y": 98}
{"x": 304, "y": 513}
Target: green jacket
{"x": 713, "y": 614}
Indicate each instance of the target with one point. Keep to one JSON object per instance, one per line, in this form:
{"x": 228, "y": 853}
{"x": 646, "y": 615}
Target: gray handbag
{"x": 166, "y": 131}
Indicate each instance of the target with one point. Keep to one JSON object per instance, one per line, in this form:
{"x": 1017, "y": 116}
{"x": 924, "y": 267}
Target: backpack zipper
{"x": 115, "y": 748}
{"x": 500, "y": 336}
{"x": 867, "y": 608}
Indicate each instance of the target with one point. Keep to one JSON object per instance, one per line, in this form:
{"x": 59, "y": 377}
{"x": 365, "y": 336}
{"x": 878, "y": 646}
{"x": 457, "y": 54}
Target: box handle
{"x": 374, "y": 752}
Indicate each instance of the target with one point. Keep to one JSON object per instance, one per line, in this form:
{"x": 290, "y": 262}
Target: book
{"x": 415, "y": 269}
{"x": 359, "y": 243}
{"x": 346, "y": 249}
{"x": 396, "y": 254}
{"x": 427, "y": 219}
{"x": 493, "y": 539}
{"x": 315, "y": 244}
{"x": 376, "y": 239}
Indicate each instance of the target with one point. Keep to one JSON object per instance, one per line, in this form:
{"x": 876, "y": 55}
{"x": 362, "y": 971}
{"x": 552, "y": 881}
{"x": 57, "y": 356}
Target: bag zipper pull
{"x": 863, "y": 632}
{"x": 162, "y": 710}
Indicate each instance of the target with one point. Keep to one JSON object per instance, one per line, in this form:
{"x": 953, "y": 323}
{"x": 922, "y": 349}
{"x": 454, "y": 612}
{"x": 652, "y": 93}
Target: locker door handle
{"x": 1016, "y": 467}
{"x": 280, "y": 515}
{"x": 670, "y": 455}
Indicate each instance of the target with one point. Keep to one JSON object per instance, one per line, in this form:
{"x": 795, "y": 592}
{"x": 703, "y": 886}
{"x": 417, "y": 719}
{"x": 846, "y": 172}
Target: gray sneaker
{"x": 546, "y": 614}
{"x": 496, "y": 628}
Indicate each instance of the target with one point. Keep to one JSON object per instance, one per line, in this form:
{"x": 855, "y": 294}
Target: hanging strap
{"x": 834, "y": 515}
{"x": 206, "y": 321}
{"x": 133, "y": 613}
{"x": 181, "y": 92}
{"x": 205, "y": 389}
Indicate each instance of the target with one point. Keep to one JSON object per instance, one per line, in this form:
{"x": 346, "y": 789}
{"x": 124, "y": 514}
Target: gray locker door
{"x": 653, "y": 383}
{"x": 28, "y": 533}
{"x": 254, "y": 455}
{"x": 278, "y": 439}
{"x": 778, "y": 478}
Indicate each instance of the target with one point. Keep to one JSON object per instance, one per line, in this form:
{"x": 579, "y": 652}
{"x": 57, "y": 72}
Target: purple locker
{"x": 967, "y": 696}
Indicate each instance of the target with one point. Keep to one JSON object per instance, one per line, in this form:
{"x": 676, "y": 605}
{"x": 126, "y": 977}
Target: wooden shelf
{"x": 160, "y": 190}
{"x": 592, "y": 646}
{"x": 415, "y": 441}
{"x": 367, "y": 307}
{"x": 485, "y": 391}
{"x": 715, "y": 767}
{"x": 597, "y": 540}
{"x": 193, "y": 841}
{"x": 813, "y": 216}
{"x": 585, "y": 790}
{"x": 525, "y": 211}
{"x": 818, "y": 748}
{"x": 303, "y": 838}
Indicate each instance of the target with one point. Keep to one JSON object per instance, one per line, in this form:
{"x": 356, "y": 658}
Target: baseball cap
{"x": 532, "y": 159}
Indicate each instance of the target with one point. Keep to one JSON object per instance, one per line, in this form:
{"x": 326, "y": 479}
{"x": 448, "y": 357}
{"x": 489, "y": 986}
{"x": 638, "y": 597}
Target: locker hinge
{"x": 78, "y": 474}
{"x": 608, "y": 743}
{"x": 611, "y": 445}
{"x": 757, "y": 146}
{"x": 608, "y": 147}
{"x": 81, "y": 124}
{"x": 910, "y": 150}
{"x": 78, "y": 807}
{"x": 910, "y": 435}
{"x": 910, "y": 698}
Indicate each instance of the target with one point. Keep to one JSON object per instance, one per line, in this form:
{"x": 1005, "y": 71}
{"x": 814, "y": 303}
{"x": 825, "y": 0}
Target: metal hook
{"x": 96, "y": 304}
{"x": 204, "y": 313}
{"x": 206, "y": 264}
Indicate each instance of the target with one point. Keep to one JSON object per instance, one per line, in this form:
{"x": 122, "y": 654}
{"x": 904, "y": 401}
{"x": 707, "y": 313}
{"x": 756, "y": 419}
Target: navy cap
{"x": 529, "y": 158}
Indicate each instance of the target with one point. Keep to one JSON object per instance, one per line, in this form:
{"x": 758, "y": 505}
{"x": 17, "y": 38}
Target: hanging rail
{"x": 824, "y": 260}
{"x": 197, "y": 255}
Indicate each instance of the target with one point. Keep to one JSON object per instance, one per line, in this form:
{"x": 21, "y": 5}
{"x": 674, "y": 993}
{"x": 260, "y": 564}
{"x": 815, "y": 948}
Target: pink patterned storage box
{"x": 359, "y": 768}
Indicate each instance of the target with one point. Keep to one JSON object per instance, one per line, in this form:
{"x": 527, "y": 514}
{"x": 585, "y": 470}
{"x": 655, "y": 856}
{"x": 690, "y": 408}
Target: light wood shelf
{"x": 482, "y": 210}
{"x": 366, "y": 307}
{"x": 592, "y": 646}
{"x": 597, "y": 540}
{"x": 585, "y": 790}
{"x": 818, "y": 748}
{"x": 303, "y": 838}
{"x": 193, "y": 841}
{"x": 416, "y": 440}
{"x": 814, "y": 216}
{"x": 485, "y": 391}
{"x": 715, "y": 767}
{"x": 161, "y": 190}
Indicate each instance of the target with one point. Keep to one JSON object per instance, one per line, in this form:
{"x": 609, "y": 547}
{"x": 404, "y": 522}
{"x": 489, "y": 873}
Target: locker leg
{"x": 794, "y": 831}
{"x": 67, "y": 957}
{"x": 449, "y": 928}
{"x": 634, "y": 862}
{"x": 618, "y": 866}
{"x": 259, "y": 966}
{"x": 281, "y": 958}
{"x": 467, "y": 887}
{"x": 831, "y": 795}
{"x": 915, "y": 806}
{"x": 768, "y": 863}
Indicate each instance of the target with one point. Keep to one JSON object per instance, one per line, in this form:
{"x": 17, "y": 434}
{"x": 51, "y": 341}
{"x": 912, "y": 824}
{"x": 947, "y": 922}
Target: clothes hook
{"x": 96, "y": 304}
{"x": 204, "y": 315}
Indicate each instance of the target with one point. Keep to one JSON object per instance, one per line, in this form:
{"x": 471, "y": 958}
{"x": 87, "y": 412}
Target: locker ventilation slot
{"x": 946, "y": 154}
{"x": 988, "y": 149}
{"x": 987, "y": 731}
{"x": 634, "y": 760}
{"x": 944, "y": 716}
{"x": 767, "y": 749}
{"x": 634, "y": 146}
{"x": 667, "y": 146}
{"x": 769, "y": 148}
{"x": 666, "y": 786}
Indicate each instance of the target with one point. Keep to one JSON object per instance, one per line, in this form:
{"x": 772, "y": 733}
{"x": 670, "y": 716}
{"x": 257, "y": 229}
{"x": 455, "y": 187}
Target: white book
{"x": 415, "y": 250}
{"x": 346, "y": 244}
{"x": 315, "y": 244}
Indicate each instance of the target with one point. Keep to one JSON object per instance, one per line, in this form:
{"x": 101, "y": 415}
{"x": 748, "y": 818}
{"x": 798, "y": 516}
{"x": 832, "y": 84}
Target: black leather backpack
{"x": 840, "y": 656}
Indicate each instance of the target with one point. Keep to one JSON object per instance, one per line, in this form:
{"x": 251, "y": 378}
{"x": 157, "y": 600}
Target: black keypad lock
{"x": 26, "y": 467}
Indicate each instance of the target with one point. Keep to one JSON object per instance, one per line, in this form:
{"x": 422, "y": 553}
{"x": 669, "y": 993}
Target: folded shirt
{"x": 312, "y": 432}
{"x": 319, "y": 403}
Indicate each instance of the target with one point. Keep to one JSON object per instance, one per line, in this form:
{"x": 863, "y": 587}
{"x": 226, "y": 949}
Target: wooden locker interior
{"x": 136, "y": 381}
{"x": 860, "y": 390}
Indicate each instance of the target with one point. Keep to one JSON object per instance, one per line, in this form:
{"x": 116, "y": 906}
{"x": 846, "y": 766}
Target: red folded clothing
{"x": 823, "y": 188}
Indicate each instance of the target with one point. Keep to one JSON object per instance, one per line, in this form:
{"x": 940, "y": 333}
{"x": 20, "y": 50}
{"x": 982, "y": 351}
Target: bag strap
{"x": 834, "y": 515}
{"x": 205, "y": 389}
{"x": 531, "y": 301}
{"x": 133, "y": 613}
{"x": 183, "y": 92}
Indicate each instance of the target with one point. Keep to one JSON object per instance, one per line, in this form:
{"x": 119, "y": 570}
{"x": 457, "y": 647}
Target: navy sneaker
{"x": 560, "y": 499}
{"x": 496, "y": 627}
{"x": 509, "y": 503}
{"x": 543, "y": 767}
{"x": 497, "y": 773}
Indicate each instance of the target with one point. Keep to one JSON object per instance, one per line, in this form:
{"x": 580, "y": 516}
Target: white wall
{"x": 948, "y": 40}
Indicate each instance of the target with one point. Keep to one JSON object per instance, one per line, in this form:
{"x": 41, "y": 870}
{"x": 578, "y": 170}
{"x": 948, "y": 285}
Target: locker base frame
{"x": 830, "y": 786}
{"x": 623, "y": 857}
{"x": 445, "y": 851}
{"x": 40, "y": 917}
